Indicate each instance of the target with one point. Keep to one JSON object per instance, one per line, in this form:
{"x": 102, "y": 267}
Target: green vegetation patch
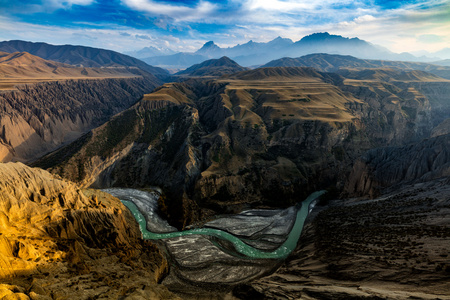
{"x": 63, "y": 154}
{"x": 117, "y": 130}
{"x": 411, "y": 112}
{"x": 156, "y": 122}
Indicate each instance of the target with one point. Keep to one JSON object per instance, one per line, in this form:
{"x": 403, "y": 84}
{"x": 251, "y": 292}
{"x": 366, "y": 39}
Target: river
{"x": 227, "y": 250}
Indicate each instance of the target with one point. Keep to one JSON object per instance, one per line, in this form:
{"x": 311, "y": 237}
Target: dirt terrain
{"x": 393, "y": 247}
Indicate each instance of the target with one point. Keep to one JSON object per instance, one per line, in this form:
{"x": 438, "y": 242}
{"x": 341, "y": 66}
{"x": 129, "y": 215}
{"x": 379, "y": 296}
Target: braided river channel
{"x": 228, "y": 250}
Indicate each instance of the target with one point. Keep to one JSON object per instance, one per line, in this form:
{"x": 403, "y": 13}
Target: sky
{"x": 185, "y": 25}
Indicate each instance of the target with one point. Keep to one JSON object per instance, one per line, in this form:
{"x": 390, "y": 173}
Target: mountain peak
{"x": 209, "y": 48}
{"x": 209, "y": 45}
{"x": 320, "y": 36}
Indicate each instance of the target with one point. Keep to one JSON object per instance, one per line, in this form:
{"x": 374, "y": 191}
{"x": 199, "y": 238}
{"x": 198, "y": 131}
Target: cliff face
{"x": 437, "y": 93}
{"x": 390, "y": 167}
{"x": 149, "y": 144}
{"x": 39, "y": 118}
{"x": 260, "y": 137}
{"x": 74, "y": 243}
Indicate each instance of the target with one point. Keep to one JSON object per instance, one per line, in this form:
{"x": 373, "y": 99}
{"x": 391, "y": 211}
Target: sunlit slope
{"x": 22, "y": 67}
{"x": 63, "y": 237}
{"x": 287, "y": 93}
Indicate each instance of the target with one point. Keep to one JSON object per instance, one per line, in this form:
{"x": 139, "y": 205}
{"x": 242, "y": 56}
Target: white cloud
{"x": 276, "y": 5}
{"x": 177, "y": 12}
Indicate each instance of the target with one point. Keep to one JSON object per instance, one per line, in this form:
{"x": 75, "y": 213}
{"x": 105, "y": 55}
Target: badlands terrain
{"x": 222, "y": 144}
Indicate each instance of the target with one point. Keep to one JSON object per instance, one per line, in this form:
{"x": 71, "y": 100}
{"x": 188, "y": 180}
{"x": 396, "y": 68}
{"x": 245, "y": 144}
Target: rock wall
{"x": 39, "y": 118}
{"x": 390, "y": 167}
{"x": 150, "y": 144}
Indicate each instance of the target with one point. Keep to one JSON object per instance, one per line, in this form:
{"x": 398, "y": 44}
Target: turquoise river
{"x": 280, "y": 253}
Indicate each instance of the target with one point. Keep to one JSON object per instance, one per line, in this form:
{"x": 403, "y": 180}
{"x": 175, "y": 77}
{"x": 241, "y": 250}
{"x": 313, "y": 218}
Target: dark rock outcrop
{"x": 391, "y": 167}
{"x": 213, "y": 67}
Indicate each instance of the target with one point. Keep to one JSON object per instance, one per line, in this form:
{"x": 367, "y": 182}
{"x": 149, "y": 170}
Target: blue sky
{"x": 184, "y": 25}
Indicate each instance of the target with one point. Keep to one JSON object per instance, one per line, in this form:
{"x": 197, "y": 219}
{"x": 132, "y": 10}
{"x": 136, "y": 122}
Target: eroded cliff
{"x": 39, "y": 118}
{"x": 60, "y": 242}
{"x": 388, "y": 168}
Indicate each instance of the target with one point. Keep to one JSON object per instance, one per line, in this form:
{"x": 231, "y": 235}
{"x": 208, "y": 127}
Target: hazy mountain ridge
{"x": 252, "y": 53}
{"x": 332, "y": 63}
{"x": 79, "y": 55}
{"x": 150, "y": 52}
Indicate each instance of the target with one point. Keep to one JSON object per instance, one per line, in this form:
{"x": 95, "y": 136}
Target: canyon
{"x": 217, "y": 140}
{"x": 285, "y": 131}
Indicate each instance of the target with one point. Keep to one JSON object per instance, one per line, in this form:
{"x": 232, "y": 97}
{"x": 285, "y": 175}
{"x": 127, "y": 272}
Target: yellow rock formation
{"x": 73, "y": 243}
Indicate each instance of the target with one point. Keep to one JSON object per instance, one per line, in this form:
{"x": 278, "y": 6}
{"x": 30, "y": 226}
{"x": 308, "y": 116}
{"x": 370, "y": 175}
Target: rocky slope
{"x": 60, "y": 242}
{"x": 392, "y": 247}
{"x": 257, "y": 138}
{"x": 38, "y": 118}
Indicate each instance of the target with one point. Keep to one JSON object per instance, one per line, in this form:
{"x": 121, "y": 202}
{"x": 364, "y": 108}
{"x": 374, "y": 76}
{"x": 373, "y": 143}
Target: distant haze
{"x": 252, "y": 54}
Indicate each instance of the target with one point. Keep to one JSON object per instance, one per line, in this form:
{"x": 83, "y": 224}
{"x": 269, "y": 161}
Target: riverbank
{"x": 393, "y": 247}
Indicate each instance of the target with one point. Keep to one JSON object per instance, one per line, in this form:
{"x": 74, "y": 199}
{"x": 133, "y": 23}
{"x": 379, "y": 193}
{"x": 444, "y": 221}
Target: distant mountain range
{"x": 80, "y": 56}
{"x": 253, "y": 53}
